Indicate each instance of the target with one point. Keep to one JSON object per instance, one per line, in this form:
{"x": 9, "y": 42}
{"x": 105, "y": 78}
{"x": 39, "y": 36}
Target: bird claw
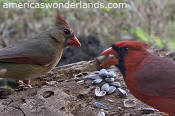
{"x": 23, "y": 85}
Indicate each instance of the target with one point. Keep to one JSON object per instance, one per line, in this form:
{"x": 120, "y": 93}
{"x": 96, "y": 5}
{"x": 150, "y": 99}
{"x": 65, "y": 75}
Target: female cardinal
{"x": 150, "y": 78}
{"x": 37, "y": 55}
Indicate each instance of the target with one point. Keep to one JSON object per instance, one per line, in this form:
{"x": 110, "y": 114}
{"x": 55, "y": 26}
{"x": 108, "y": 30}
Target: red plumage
{"x": 150, "y": 78}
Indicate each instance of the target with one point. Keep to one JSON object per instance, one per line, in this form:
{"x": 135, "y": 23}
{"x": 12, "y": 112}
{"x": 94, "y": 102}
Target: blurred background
{"x": 150, "y": 21}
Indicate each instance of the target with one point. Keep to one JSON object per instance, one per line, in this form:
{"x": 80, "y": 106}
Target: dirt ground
{"x": 70, "y": 93}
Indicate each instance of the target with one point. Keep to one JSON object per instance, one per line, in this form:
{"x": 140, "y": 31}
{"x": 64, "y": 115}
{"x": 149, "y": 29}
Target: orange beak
{"x": 74, "y": 42}
{"x": 109, "y": 60}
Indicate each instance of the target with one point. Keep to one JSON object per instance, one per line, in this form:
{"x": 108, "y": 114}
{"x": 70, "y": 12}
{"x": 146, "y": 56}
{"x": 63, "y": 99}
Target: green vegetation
{"x": 150, "y": 21}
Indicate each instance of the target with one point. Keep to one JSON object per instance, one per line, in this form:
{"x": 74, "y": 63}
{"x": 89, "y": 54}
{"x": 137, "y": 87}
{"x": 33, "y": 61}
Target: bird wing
{"x": 157, "y": 78}
{"x": 27, "y": 52}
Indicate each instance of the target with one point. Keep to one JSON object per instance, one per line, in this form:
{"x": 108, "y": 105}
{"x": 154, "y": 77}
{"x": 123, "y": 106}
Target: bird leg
{"x": 25, "y": 83}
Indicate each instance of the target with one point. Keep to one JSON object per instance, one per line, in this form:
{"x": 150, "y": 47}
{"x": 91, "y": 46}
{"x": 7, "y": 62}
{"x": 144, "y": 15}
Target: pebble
{"x": 99, "y": 105}
{"x": 105, "y": 87}
{"x": 103, "y": 73}
{"x": 109, "y": 79}
{"x": 111, "y": 89}
{"x": 129, "y": 103}
{"x": 116, "y": 84}
{"x": 93, "y": 77}
{"x": 122, "y": 93}
{"x": 97, "y": 81}
{"x": 99, "y": 93}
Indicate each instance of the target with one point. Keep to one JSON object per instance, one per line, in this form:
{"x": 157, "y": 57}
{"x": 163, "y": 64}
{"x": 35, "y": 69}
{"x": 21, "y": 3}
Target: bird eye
{"x": 66, "y": 31}
{"x": 125, "y": 49}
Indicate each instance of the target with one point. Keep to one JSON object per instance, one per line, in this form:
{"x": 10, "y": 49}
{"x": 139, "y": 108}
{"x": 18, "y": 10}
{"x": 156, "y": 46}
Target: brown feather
{"x": 60, "y": 20}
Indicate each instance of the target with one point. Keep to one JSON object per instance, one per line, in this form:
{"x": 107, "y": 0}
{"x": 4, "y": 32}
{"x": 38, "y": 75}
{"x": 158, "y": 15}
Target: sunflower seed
{"x": 111, "y": 89}
{"x": 109, "y": 79}
{"x": 93, "y": 77}
{"x": 116, "y": 84}
{"x": 147, "y": 110}
{"x": 105, "y": 87}
{"x": 111, "y": 74}
{"x": 122, "y": 92}
{"x": 103, "y": 73}
{"x": 99, "y": 93}
{"x": 101, "y": 113}
{"x": 96, "y": 72}
{"x": 99, "y": 105}
{"x": 97, "y": 81}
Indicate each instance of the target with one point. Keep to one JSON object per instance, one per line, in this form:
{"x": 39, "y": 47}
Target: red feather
{"x": 150, "y": 78}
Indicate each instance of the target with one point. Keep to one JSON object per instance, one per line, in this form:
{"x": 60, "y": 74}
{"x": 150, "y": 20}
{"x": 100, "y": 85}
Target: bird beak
{"x": 74, "y": 41}
{"x": 109, "y": 60}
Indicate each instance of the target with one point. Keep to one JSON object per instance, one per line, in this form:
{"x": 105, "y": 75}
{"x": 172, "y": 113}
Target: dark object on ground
{"x": 90, "y": 48}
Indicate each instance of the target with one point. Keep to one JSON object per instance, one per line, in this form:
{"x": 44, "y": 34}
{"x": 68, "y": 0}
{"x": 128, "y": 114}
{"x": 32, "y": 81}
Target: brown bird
{"x": 37, "y": 55}
{"x": 150, "y": 78}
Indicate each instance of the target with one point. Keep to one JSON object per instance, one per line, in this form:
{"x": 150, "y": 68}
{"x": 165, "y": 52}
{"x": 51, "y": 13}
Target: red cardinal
{"x": 37, "y": 55}
{"x": 150, "y": 78}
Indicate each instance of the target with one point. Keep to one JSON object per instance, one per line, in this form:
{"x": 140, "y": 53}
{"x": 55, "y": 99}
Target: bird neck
{"x": 132, "y": 61}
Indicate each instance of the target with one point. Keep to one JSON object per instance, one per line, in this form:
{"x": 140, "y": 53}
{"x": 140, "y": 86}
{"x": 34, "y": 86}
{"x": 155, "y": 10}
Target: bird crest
{"x": 60, "y": 20}
{"x": 132, "y": 44}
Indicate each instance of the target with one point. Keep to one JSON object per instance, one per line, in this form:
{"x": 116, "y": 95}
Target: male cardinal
{"x": 150, "y": 78}
{"x": 37, "y": 55}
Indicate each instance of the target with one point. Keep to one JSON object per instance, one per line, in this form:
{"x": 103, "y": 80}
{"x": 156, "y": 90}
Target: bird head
{"x": 124, "y": 53}
{"x": 63, "y": 33}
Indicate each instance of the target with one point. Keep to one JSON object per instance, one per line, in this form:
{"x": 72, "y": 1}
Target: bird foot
{"x": 24, "y": 84}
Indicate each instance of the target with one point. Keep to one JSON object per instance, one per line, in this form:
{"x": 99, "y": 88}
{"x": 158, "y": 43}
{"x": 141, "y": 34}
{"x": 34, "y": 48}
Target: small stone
{"x": 109, "y": 79}
{"x": 116, "y": 84}
{"x": 48, "y": 94}
{"x": 103, "y": 73}
{"x": 99, "y": 105}
{"x": 105, "y": 87}
{"x": 129, "y": 103}
{"x": 97, "y": 81}
{"x": 111, "y": 89}
{"x": 122, "y": 93}
{"x": 93, "y": 77}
